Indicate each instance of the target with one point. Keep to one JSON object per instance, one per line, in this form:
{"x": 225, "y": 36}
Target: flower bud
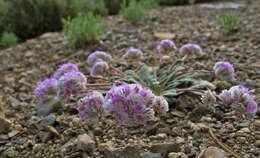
{"x": 165, "y": 46}
{"x": 209, "y": 97}
{"x": 99, "y": 68}
{"x": 46, "y": 89}
{"x": 160, "y": 105}
{"x": 224, "y": 70}
{"x": 191, "y": 49}
{"x": 133, "y": 54}
{"x": 92, "y": 58}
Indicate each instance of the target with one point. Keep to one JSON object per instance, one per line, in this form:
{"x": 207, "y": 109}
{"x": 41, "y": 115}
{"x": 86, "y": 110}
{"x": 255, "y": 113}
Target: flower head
{"x": 224, "y": 70}
{"x": 165, "y": 46}
{"x": 130, "y": 103}
{"x": 133, "y": 54}
{"x": 239, "y": 98}
{"x": 209, "y": 97}
{"x": 46, "y": 89}
{"x": 92, "y": 58}
{"x": 68, "y": 67}
{"x": 99, "y": 67}
{"x": 160, "y": 105}
{"x": 91, "y": 106}
{"x": 71, "y": 83}
{"x": 191, "y": 49}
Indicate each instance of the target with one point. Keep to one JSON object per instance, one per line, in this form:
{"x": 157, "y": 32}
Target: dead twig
{"x": 226, "y": 148}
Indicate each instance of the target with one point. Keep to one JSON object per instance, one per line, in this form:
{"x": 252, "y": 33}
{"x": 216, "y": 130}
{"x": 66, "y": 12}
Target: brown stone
{"x": 85, "y": 143}
{"x": 214, "y": 152}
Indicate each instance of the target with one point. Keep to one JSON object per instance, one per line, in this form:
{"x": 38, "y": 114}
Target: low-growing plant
{"x": 228, "y": 22}
{"x": 249, "y": 1}
{"x": 83, "y": 29}
{"x": 8, "y": 39}
{"x": 134, "y": 12}
{"x": 192, "y": 2}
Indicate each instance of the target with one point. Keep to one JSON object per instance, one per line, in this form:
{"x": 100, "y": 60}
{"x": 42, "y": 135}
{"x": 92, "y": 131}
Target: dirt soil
{"x": 23, "y": 67}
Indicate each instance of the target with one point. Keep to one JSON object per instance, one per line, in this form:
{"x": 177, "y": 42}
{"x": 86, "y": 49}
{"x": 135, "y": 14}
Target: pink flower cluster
{"x": 130, "y": 103}
{"x": 67, "y": 80}
{"x": 91, "y": 106}
{"x": 239, "y": 98}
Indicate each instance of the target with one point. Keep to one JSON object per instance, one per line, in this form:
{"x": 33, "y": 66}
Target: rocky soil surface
{"x": 181, "y": 133}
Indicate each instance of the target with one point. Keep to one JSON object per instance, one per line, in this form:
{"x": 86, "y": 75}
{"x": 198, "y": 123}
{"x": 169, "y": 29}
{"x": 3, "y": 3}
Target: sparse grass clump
{"x": 8, "y": 39}
{"x": 83, "y": 29}
{"x": 228, "y": 22}
{"x": 134, "y": 12}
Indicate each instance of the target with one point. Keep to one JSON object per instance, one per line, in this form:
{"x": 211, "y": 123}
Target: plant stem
{"x": 190, "y": 89}
{"x": 223, "y": 145}
{"x": 97, "y": 77}
{"x": 117, "y": 70}
{"x": 99, "y": 84}
{"x": 186, "y": 56}
{"x": 115, "y": 74}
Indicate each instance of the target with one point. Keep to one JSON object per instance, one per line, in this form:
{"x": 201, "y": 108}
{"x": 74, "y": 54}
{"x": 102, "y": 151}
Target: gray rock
{"x": 165, "y": 148}
{"x": 85, "y": 143}
{"x": 48, "y": 120}
{"x": 48, "y": 107}
{"x": 151, "y": 155}
{"x": 131, "y": 151}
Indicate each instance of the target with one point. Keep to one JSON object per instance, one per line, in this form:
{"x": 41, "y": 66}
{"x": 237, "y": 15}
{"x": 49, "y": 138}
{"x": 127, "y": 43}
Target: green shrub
{"x": 134, "y": 12}
{"x": 173, "y": 2}
{"x": 228, "y": 22}
{"x": 84, "y": 6}
{"x": 191, "y": 2}
{"x": 149, "y": 4}
{"x": 83, "y": 29}
{"x": 29, "y": 18}
{"x": 249, "y": 1}
{"x": 113, "y": 6}
{"x": 3, "y": 11}
{"x": 8, "y": 39}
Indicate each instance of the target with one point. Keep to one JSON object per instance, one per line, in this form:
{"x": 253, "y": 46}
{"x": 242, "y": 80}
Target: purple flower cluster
{"x": 67, "y": 80}
{"x": 224, "y": 70}
{"x": 91, "y": 106}
{"x": 71, "y": 83}
{"x": 46, "y": 89}
{"x": 160, "y": 105}
{"x": 130, "y": 103}
{"x": 191, "y": 49}
{"x": 68, "y": 67}
{"x": 93, "y": 57}
{"x": 239, "y": 98}
{"x": 99, "y": 67}
{"x": 133, "y": 54}
{"x": 165, "y": 46}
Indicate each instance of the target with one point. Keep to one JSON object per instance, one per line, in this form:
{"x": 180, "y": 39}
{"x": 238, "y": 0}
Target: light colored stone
{"x": 85, "y": 143}
{"x": 102, "y": 146}
{"x": 177, "y": 155}
{"x": 2, "y": 114}
{"x": 130, "y": 151}
{"x": 180, "y": 140}
{"x": 165, "y": 148}
{"x": 214, "y": 152}
{"x": 257, "y": 123}
{"x": 4, "y": 125}
{"x": 160, "y": 136}
{"x": 49, "y": 120}
{"x": 164, "y": 35}
{"x": 51, "y": 106}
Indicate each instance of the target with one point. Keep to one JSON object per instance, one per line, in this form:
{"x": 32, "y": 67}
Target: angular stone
{"x": 49, "y": 120}
{"x": 165, "y": 148}
{"x": 214, "y": 152}
{"x": 2, "y": 114}
{"x": 85, "y": 143}
{"x": 48, "y": 107}
{"x": 131, "y": 151}
{"x": 257, "y": 123}
{"x": 4, "y": 125}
